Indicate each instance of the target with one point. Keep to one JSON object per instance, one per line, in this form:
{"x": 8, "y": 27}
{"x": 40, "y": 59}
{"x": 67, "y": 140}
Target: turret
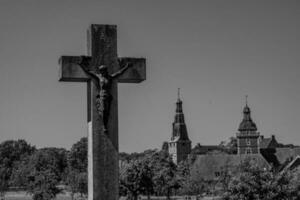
{"x": 247, "y": 137}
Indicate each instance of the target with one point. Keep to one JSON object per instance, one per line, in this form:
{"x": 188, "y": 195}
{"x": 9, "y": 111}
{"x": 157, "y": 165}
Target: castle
{"x": 211, "y": 159}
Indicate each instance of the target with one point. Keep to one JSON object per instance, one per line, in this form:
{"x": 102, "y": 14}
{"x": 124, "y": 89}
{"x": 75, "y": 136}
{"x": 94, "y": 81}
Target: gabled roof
{"x": 206, "y": 166}
{"x": 204, "y": 149}
{"x": 293, "y": 164}
{"x": 286, "y": 154}
{"x": 265, "y": 143}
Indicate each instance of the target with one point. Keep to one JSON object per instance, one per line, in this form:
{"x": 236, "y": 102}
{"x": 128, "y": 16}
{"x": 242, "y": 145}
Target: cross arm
{"x": 136, "y": 73}
{"x": 71, "y": 71}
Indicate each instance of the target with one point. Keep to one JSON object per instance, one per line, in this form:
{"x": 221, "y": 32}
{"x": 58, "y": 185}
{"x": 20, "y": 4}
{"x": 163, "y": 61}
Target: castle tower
{"x": 180, "y": 144}
{"x": 247, "y": 137}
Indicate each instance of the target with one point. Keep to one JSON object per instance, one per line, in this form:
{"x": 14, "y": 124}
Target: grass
{"x": 29, "y": 198}
{"x": 25, "y": 196}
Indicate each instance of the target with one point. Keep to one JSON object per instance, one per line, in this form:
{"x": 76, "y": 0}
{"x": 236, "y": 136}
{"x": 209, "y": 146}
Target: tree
{"x": 19, "y": 173}
{"x": 295, "y": 182}
{"x": 4, "y": 176}
{"x": 225, "y": 176}
{"x": 77, "y": 157}
{"x": 135, "y": 156}
{"x": 193, "y": 186}
{"x": 186, "y": 181}
{"x": 191, "y": 183}
{"x": 124, "y": 156}
{"x": 11, "y": 152}
{"x": 231, "y": 146}
{"x": 71, "y": 181}
{"x": 44, "y": 172}
{"x": 82, "y": 180}
{"x": 165, "y": 146}
{"x": 255, "y": 183}
{"x": 147, "y": 184}
{"x": 165, "y": 174}
{"x": 137, "y": 178}
{"x": 43, "y": 184}
{"x": 76, "y": 173}
{"x": 77, "y": 182}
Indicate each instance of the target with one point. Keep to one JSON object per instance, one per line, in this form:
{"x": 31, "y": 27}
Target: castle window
{"x": 248, "y": 142}
{"x": 248, "y": 151}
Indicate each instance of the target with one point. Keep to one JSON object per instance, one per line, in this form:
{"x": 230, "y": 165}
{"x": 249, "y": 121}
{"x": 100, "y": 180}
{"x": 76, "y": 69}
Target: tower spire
{"x": 180, "y": 144}
{"x": 246, "y": 98}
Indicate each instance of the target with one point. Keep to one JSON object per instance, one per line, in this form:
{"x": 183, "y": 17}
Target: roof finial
{"x": 246, "y": 100}
{"x": 178, "y": 93}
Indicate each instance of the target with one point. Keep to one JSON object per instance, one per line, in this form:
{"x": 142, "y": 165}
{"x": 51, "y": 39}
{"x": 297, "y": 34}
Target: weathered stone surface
{"x": 103, "y": 145}
{"x": 70, "y": 70}
{"x": 137, "y": 72}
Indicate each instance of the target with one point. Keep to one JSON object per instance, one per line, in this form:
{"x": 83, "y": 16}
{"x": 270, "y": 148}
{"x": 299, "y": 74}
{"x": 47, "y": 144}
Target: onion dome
{"x": 247, "y": 124}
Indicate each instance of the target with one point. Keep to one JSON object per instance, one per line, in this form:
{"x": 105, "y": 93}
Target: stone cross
{"x": 103, "y": 163}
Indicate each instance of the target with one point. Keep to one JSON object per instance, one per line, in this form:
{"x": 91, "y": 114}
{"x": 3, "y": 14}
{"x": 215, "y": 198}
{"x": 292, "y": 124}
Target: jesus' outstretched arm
{"x": 121, "y": 71}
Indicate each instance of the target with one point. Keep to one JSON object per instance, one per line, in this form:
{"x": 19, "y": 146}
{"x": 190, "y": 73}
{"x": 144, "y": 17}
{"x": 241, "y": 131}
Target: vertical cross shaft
{"x": 103, "y": 163}
{"x": 103, "y": 146}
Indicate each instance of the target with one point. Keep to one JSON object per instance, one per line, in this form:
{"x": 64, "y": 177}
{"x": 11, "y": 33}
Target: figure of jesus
{"x": 103, "y": 83}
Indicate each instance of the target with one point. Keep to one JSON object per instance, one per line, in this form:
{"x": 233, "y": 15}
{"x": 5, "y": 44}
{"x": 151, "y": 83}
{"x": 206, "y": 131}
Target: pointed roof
{"x": 265, "y": 143}
{"x": 268, "y": 143}
{"x": 247, "y": 124}
{"x": 179, "y": 127}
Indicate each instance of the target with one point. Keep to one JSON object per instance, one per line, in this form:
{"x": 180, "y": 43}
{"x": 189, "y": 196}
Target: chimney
{"x": 273, "y": 137}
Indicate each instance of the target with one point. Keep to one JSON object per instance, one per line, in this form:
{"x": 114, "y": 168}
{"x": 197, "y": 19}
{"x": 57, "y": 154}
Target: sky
{"x": 215, "y": 51}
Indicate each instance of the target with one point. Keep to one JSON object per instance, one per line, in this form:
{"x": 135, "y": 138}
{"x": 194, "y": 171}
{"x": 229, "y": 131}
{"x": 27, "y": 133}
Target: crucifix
{"x": 102, "y": 70}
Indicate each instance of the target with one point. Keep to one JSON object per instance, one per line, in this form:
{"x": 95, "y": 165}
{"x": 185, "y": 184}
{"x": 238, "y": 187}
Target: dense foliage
{"x": 255, "y": 183}
{"x": 41, "y": 172}
{"x": 44, "y": 171}
{"x": 76, "y": 172}
{"x": 12, "y": 153}
{"x": 137, "y": 179}
{"x": 155, "y": 174}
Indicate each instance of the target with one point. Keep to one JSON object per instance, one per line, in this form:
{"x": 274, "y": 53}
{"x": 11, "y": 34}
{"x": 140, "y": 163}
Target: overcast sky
{"x": 215, "y": 51}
